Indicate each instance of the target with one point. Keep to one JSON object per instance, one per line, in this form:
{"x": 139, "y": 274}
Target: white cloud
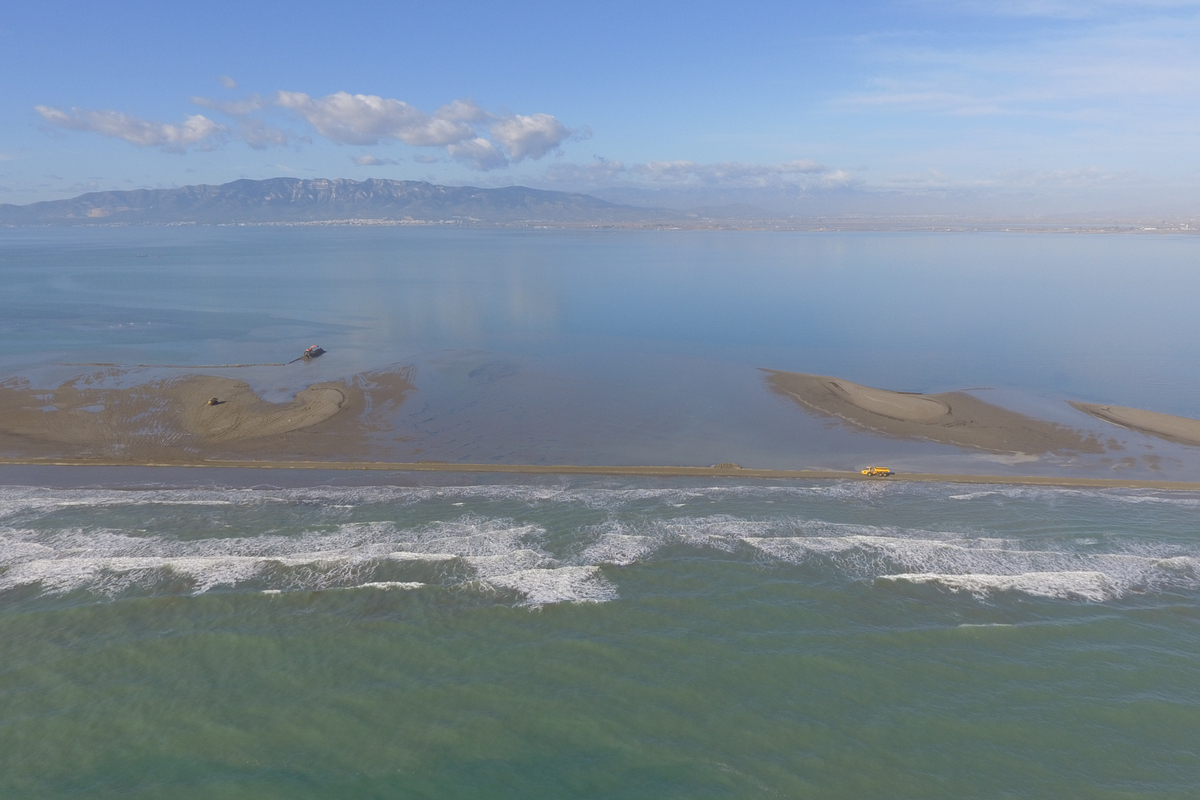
{"x": 728, "y": 173}
{"x": 227, "y": 82}
{"x": 373, "y": 161}
{"x": 1064, "y": 9}
{"x": 260, "y": 135}
{"x": 252, "y": 130}
{"x": 470, "y": 134}
{"x": 462, "y": 111}
{"x": 599, "y": 171}
{"x": 529, "y": 136}
{"x": 478, "y": 154}
{"x": 423, "y": 159}
{"x": 802, "y": 173}
{"x": 930, "y": 178}
{"x": 1071, "y": 178}
{"x": 196, "y": 130}
{"x": 837, "y": 179}
{"x": 367, "y": 118}
{"x": 907, "y": 96}
{"x": 1083, "y": 71}
{"x": 1014, "y": 179}
{"x": 457, "y": 126}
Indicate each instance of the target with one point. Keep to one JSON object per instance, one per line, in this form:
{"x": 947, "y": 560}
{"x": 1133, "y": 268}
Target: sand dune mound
{"x": 902, "y": 406}
{"x": 241, "y": 414}
{"x": 1183, "y": 430}
{"x": 952, "y": 418}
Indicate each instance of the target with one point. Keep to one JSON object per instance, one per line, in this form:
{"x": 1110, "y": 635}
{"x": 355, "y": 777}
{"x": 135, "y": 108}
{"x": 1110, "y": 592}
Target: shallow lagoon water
{"x": 632, "y": 347}
{"x": 244, "y": 633}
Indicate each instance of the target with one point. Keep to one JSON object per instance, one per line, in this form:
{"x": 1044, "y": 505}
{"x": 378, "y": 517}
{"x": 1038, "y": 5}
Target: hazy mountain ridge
{"x": 300, "y": 200}
{"x": 296, "y": 201}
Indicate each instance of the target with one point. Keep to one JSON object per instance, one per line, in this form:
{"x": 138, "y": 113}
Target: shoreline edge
{"x": 625, "y": 471}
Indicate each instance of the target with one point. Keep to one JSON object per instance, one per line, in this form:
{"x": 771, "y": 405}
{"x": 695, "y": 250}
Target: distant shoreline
{"x": 623, "y": 471}
{"x": 702, "y": 224}
{"x": 342, "y": 202}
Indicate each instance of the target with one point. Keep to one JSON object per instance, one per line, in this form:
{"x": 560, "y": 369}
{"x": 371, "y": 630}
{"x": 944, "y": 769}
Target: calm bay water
{"x": 630, "y": 347}
{"x": 271, "y": 634}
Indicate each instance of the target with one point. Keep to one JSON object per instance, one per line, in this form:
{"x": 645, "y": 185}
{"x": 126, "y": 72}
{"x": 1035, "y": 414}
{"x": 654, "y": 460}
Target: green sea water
{"x": 586, "y": 638}
{"x": 280, "y": 634}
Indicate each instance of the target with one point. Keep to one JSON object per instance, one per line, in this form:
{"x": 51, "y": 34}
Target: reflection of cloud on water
{"x": 457, "y": 306}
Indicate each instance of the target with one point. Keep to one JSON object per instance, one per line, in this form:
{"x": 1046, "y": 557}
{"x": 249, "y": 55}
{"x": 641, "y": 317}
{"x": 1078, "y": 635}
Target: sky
{"x": 1016, "y": 108}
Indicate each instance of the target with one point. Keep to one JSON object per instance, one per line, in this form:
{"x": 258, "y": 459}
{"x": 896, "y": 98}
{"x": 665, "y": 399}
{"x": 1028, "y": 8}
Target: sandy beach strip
{"x": 953, "y": 418}
{"x": 630, "y": 471}
{"x": 1181, "y": 430}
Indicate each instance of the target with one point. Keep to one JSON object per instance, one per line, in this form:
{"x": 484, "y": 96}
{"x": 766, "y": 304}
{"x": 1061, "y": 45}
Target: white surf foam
{"x": 389, "y": 585}
{"x": 978, "y": 567}
{"x": 496, "y": 552}
{"x": 1054, "y": 493}
{"x": 503, "y": 563}
{"x": 975, "y": 495}
{"x": 402, "y": 555}
{"x": 15, "y": 500}
{"x": 1094, "y": 587}
{"x": 641, "y": 522}
{"x": 557, "y": 585}
{"x": 619, "y": 549}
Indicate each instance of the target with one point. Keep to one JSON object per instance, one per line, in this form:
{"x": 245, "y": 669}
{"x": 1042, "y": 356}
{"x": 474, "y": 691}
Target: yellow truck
{"x": 877, "y": 472}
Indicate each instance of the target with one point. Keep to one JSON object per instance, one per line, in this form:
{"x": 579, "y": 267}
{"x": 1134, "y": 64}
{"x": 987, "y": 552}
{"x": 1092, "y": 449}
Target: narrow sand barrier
{"x": 718, "y": 471}
{"x": 1182, "y": 430}
{"x": 951, "y": 418}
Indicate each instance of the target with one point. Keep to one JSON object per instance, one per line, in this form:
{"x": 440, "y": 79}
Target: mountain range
{"x": 295, "y": 200}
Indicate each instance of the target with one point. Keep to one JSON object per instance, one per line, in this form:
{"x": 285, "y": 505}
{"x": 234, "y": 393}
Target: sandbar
{"x": 955, "y": 418}
{"x": 1181, "y": 430}
{"x": 717, "y": 471}
{"x": 172, "y": 420}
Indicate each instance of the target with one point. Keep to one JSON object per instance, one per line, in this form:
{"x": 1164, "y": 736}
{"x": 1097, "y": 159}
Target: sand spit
{"x": 1182, "y": 430}
{"x": 739, "y": 473}
{"x": 950, "y": 418}
{"x": 172, "y": 421}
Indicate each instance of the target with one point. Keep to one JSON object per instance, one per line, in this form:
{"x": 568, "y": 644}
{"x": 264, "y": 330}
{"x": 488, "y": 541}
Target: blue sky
{"x": 1014, "y": 108}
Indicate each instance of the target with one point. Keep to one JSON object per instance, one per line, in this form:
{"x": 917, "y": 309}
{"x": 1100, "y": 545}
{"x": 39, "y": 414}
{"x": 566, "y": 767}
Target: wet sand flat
{"x": 953, "y": 418}
{"x": 172, "y": 420}
{"x": 1181, "y": 430}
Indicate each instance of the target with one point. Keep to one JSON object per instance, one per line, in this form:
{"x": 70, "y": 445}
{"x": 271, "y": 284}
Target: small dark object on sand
{"x": 214, "y": 401}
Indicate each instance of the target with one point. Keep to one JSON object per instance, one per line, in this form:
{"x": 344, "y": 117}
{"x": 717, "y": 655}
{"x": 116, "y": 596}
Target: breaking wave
{"x": 545, "y": 544}
{"x": 493, "y": 552}
{"x": 1095, "y": 587}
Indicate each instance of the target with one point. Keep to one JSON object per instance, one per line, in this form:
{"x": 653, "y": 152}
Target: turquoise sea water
{"x": 217, "y": 633}
{"x": 599, "y": 639}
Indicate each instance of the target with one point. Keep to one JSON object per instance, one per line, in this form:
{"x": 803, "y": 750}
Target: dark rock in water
{"x": 314, "y": 351}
